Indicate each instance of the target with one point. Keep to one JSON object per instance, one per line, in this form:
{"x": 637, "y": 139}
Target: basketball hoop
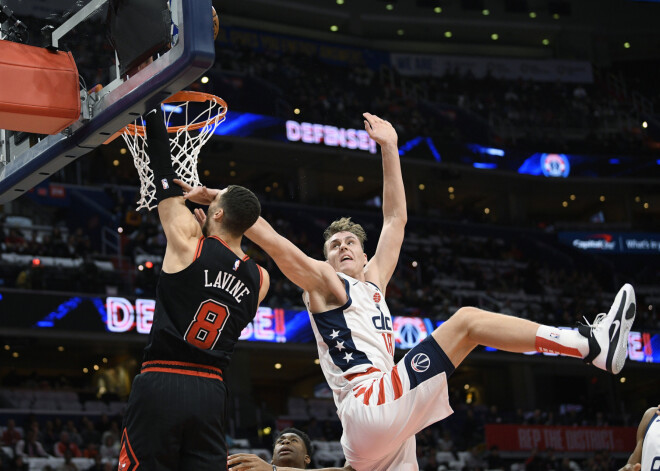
{"x": 185, "y": 145}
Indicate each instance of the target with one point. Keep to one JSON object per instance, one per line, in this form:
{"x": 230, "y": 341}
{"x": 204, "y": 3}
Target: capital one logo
{"x": 420, "y": 362}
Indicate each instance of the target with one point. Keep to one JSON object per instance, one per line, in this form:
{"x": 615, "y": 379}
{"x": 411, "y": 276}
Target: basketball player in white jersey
{"x": 382, "y": 404}
{"x": 646, "y": 456}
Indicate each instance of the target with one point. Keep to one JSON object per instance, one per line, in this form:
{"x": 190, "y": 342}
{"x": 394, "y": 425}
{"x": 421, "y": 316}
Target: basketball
{"x": 216, "y": 24}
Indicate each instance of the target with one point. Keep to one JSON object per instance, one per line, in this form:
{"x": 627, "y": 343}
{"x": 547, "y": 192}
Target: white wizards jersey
{"x": 651, "y": 446}
{"x": 355, "y": 341}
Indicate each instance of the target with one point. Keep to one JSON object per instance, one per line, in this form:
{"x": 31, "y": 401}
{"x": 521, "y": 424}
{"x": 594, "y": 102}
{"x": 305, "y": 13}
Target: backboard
{"x": 26, "y": 160}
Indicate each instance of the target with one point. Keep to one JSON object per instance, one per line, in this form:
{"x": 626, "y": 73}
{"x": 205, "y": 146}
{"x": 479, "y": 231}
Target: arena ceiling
{"x": 582, "y": 29}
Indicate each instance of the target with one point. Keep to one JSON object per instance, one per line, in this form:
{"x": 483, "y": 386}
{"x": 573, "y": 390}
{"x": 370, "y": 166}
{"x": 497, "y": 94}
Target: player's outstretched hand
{"x": 379, "y": 130}
{"x": 197, "y": 194}
{"x": 632, "y": 467}
{"x": 247, "y": 462}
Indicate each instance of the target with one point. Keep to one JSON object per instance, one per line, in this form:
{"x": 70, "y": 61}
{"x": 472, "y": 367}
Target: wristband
{"x": 160, "y": 160}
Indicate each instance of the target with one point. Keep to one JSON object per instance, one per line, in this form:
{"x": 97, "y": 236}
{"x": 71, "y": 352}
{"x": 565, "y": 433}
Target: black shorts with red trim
{"x": 175, "y": 419}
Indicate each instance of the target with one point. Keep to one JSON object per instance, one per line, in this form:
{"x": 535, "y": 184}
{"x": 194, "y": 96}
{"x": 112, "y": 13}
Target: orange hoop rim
{"x": 181, "y": 97}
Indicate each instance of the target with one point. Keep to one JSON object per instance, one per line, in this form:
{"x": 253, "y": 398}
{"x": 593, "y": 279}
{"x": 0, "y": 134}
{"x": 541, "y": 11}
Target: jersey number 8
{"x": 205, "y": 328}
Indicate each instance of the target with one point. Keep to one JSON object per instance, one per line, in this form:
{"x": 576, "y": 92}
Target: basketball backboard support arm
{"x": 118, "y": 104}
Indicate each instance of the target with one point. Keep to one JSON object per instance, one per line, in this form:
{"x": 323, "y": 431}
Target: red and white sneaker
{"x": 608, "y": 335}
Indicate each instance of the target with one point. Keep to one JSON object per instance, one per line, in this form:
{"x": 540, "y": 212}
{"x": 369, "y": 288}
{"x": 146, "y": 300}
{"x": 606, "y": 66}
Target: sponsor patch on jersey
{"x": 377, "y": 297}
{"x": 237, "y": 264}
{"x": 166, "y": 185}
{"x": 420, "y": 362}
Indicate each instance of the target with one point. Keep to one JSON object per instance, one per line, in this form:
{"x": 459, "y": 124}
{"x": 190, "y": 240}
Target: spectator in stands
{"x": 29, "y": 446}
{"x": 98, "y": 465}
{"x": 20, "y": 464}
{"x": 48, "y": 437}
{"x": 494, "y": 459}
{"x": 89, "y": 433}
{"x": 68, "y": 464}
{"x": 110, "y": 448}
{"x": 65, "y": 444}
{"x": 292, "y": 450}
{"x": 73, "y": 433}
{"x": 11, "y": 436}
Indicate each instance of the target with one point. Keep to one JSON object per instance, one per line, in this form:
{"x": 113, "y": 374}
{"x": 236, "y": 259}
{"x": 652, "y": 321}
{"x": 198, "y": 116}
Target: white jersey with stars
{"x": 651, "y": 446}
{"x": 355, "y": 341}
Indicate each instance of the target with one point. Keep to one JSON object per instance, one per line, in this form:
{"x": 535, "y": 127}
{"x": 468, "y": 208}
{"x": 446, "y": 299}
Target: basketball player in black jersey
{"x": 207, "y": 293}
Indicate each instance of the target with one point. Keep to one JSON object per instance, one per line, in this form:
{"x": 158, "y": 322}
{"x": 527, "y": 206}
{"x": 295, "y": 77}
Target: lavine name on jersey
{"x": 227, "y": 282}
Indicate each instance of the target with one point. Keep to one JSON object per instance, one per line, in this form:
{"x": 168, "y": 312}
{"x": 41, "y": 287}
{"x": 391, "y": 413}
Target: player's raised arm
{"x": 307, "y": 273}
{"x": 179, "y": 224}
{"x": 381, "y": 266}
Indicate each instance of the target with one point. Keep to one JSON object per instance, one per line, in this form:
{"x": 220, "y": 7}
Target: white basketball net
{"x": 185, "y": 145}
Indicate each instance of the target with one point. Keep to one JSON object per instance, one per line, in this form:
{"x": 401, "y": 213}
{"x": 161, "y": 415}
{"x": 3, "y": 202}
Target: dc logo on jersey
{"x": 165, "y": 184}
{"x": 236, "y": 264}
{"x": 420, "y": 362}
{"x": 376, "y": 297}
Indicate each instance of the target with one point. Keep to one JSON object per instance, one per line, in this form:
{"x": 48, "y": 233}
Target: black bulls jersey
{"x": 201, "y": 310}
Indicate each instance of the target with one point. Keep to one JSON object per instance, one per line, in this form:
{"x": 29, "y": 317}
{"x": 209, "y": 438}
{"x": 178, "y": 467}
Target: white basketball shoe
{"x": 608, "y": 335}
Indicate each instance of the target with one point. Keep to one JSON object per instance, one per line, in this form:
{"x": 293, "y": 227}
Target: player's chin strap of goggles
{"x": 160, "y": 160}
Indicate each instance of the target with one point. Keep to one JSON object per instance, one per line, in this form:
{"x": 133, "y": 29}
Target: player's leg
{"x": 603, "y": 343}
{"x": 204, "y": 446}
{"x": 151, "y": 437}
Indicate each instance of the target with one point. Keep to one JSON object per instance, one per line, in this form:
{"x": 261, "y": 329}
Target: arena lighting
{"x": 484, "y": 165}
{"x": 645, "y": 124}
{"x": 278, "y": 366}
{"x": 140, "y": 267}
{"x": 167, "y": 108}
{"x": 204, "y": 80}
{"x": 36, "y": 262}
{"x": 149, "y": 265}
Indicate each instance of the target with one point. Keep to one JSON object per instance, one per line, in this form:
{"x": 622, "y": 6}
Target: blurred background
{"x": 529, "y": 135}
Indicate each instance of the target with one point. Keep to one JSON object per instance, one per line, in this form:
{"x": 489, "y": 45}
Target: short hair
{"x": 241, "y": 208}
{"x": 343, "y": 225}
{"x": 303, "y": 436}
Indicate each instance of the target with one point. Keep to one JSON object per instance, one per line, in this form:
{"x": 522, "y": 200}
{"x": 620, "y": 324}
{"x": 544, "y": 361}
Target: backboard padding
{"x": 188, "y": 58}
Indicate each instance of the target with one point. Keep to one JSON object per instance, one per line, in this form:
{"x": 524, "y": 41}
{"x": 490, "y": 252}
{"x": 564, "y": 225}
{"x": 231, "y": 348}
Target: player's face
{"x": 345, "y": 253}
{"x": 290, "y": 451}
{"x": 213, "y": 208}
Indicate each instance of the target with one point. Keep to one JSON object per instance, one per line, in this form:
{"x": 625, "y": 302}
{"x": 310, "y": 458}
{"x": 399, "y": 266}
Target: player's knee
{"x": 467, "y": 317}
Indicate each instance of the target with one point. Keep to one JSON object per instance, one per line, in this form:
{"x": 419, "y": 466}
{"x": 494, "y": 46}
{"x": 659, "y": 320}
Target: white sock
{"x": 562, "y": 341}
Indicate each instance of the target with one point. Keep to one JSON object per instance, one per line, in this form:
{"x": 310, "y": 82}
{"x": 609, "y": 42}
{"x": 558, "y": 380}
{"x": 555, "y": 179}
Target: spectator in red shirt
{"x": 65, "y": 444}
{"x": 11, "y": 436}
